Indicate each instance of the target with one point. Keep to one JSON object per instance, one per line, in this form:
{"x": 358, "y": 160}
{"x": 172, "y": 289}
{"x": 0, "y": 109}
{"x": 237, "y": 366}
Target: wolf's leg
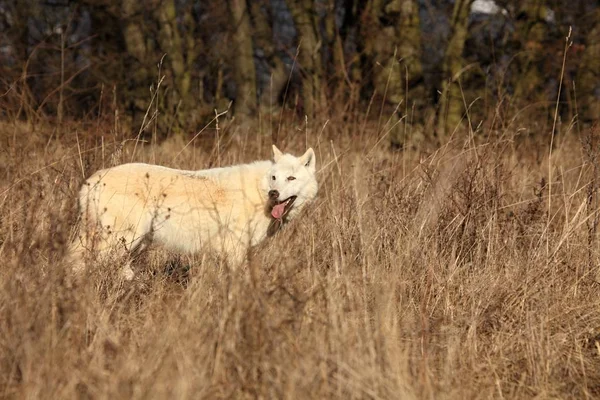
{"x": 79, "y": 248}
{"x": 103, "y": 240}
{"x": 129, "y": 246}
{"x": 75, "y": 256}
{"x": 137, "y": 248}
{"x": 234, "y": 250}
{"x": 127, "y": 272}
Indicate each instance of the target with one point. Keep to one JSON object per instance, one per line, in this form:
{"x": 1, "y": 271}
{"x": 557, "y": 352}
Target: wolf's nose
{"x": 273, "y": 194}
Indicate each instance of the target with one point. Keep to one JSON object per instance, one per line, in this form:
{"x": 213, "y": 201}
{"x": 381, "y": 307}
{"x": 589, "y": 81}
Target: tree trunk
{"x": 269, "y": 97}
{"x": 410, "y": 69}
{"x": 137, "y": 48}
{"x": 393, "y": 48}
{"x": 588, "y": 75}
{"x": 306, "y": 21}
{"x": 451, "y": 103}
{"x": 532, "y": 31}
{"x": 336, "y": 68}
{"x": 179, "y": 57}
{"x": 243, "y": 63}
{"x": 354, "y": 44}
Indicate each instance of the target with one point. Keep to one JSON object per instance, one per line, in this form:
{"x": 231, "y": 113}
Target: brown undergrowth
{"x": 441, "y": 274}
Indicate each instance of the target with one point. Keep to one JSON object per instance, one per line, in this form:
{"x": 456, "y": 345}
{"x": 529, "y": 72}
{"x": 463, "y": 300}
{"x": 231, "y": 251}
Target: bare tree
{"x": 180, "y": 53}
{"x": 588, "y": 76}
{"x": 136, "y": 47}
{"x": 263, "y": 39}
{"x": 532, "y": 31}
{"x": 243, "y": 62}
{"x": 392, "y": 38}
{"x": 307, "y": 23}
{"x": 335, "y": 67}
{"x": 451, "y": 107}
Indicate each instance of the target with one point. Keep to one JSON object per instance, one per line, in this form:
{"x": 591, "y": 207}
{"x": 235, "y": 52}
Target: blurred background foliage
{"x": 431, "y": 66}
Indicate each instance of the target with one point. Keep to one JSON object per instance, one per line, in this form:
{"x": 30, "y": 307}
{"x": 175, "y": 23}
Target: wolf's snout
{"x": 273, "y": 194}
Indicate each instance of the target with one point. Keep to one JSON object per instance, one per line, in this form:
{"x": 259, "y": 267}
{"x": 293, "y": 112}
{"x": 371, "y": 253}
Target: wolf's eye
{"x": 273, "y": 177}
{"x": 291, "y": 178}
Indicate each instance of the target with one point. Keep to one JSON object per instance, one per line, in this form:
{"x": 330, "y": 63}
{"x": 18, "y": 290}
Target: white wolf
{"x": 224, "y": 210}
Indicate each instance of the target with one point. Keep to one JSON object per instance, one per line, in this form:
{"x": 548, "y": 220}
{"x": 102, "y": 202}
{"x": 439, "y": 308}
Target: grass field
{"x": 467, "y": 270}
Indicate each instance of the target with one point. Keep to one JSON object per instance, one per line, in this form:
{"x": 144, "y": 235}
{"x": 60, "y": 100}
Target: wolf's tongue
{"x": 277, "y": 211}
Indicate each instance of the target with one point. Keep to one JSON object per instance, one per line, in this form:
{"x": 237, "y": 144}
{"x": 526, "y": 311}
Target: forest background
{"x": 428, "y": 61}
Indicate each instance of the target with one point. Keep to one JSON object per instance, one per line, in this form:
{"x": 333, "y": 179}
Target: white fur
{"x": 223, "y": 210}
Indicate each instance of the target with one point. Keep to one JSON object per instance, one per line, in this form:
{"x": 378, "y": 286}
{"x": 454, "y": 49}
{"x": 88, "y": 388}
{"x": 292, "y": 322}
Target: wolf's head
{"x": 292, "y": 183}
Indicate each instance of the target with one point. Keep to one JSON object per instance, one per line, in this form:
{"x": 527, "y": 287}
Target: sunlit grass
{"x": 436, "y": 273}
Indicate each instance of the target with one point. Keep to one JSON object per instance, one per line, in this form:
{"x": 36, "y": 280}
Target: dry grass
{"x": 441, "y": 275}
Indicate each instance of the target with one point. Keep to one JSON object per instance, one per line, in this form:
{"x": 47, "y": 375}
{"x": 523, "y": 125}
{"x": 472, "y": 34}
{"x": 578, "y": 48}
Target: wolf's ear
{"x": 309, "y": 160}
{"x": 276, "y": 153}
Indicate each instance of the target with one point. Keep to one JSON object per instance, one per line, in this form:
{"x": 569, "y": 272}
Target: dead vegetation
{"x": 447, "y": 274}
